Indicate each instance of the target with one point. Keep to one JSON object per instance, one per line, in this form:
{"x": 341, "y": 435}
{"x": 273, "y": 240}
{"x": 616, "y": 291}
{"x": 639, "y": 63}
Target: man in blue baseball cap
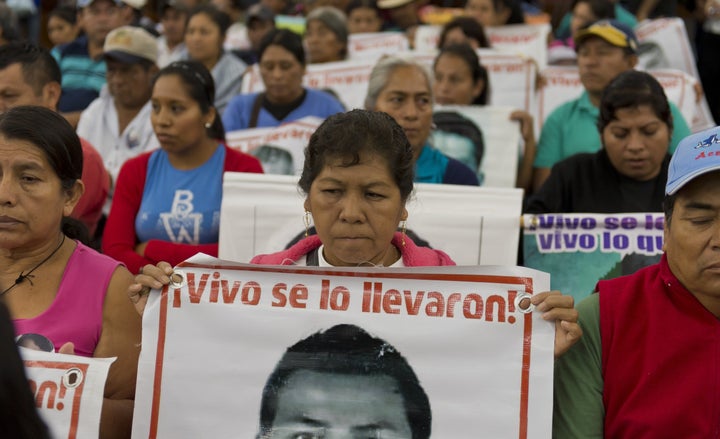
{"x": 648, "y": 364}
{"x": 604, "y": 49}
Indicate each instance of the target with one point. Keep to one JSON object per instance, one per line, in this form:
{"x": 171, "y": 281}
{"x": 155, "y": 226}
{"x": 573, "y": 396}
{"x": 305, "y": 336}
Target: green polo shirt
{"x": 572, "y": 128}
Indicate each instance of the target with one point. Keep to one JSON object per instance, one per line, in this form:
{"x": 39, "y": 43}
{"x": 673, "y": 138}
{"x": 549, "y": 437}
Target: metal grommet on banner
{"x": 72, "y": 378}
{"x": 522, "y": 302}
{"x": 177, "y": 279}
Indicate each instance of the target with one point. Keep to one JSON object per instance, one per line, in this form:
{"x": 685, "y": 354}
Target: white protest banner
{"x": 427, "y": 37}
{"x": 578, "y": 250}
{"x": 563, "y": 84}
{"x": 452, "y": 340}
{"x": 279, "y": 149}
{"x": 671, "y": 47}
{"x": 347, "y": 79}
{"x": 512, "y": 79}
{"x": 511, "y": 76}
{"x": 501, "y": 136}
{"x": 681, "y": 88}
{"x": 376, "y": 44}
{"x": 664, "y": 43}
{"x": 529, "y": 40}
{"x": 703, "y": 116}
{"x": 68, "y": 391}
{"x": 474, "y": 225}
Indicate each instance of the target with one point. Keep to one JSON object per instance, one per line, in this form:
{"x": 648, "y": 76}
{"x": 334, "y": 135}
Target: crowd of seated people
{"x": 139, "y": 106}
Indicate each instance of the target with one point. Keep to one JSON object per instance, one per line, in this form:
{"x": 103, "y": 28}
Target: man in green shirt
{"x": 604, "y": 50}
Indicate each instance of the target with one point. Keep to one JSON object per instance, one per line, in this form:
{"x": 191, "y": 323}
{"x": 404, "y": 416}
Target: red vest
{"x": 660, "y": 358}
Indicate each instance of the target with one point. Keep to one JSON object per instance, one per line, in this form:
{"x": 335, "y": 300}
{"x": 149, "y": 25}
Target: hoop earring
{"x": 403, "y": 226}
{"x": 306, "y": 220}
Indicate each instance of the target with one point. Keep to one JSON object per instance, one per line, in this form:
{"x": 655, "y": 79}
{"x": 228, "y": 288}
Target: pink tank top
{"x": 76, "y": 313}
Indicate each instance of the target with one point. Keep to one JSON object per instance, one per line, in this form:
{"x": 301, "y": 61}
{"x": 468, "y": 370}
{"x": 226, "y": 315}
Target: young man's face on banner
{"x": 313, "y": 405}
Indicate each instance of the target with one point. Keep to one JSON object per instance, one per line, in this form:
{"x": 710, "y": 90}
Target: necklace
{"x": 29, "y": 274}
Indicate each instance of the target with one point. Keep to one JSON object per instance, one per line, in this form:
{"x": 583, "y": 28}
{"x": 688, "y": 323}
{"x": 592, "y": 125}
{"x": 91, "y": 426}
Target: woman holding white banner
{"x": 460, "y": 79}
{"x": 282, "y": 68}
{"x": 401, "y": 87}
{"x": 53, "y": 284}
{"x": 357, "y": 177}
{"x": 628, "y": 174}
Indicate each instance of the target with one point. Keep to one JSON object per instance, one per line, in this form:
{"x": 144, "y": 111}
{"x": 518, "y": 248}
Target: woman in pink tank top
{"x": 55, "y": 287}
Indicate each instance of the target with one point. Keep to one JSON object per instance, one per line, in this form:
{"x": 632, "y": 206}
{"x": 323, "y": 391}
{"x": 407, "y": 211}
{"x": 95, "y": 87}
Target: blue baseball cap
{"x": 695, "y": 155}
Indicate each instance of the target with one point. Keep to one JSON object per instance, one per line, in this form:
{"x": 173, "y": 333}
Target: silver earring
{"x": 306, "y": 220}
{"x": 207, "y": 125}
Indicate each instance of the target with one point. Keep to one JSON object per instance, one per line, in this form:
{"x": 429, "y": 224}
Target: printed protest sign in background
{"x": 347, "y": 79}
{"x": 279, "y": 149}
{"x": 670, "y": 43}
{"x": 376, "y": 44}
{"x": 664, "y": 43}
{"x": 580, "y": 249}
{"x": 427, "y": 37}
{"x": 500, "y": 135}
{"x": 563, "y": 84}
{"x": 68, "y": 391}
{"x": 511, "y": 77}
{"x": 528, "y": 40}
{"x": 210, "y": 345}
{"x": 474, "y": 225}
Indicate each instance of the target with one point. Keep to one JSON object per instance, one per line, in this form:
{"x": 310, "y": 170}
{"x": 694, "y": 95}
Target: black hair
{"x": 221, "y": 19}
{"x": 632, "y": 89}
{"x": 668, "y": 206}
{"x": 478, "y": 71}
{"x": 516, "y": 13}
{"x": 65, "y": 13}
{"x": 58, "y": 142}
{"x": 601, "y": 9}
{"x": 348, "y": 350}
{"x": 469, "y": 26}
{"x": 200, "y": 86}
{"x": 18, "y": 416}
{"x": 286, "y": 39}
{"x": 357, "y": 4}
{"x": 38, "y": 65}
{"x": 9, "y": 30}
{"x": 57, "y": 139}
{"x": 347, "y": 136}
